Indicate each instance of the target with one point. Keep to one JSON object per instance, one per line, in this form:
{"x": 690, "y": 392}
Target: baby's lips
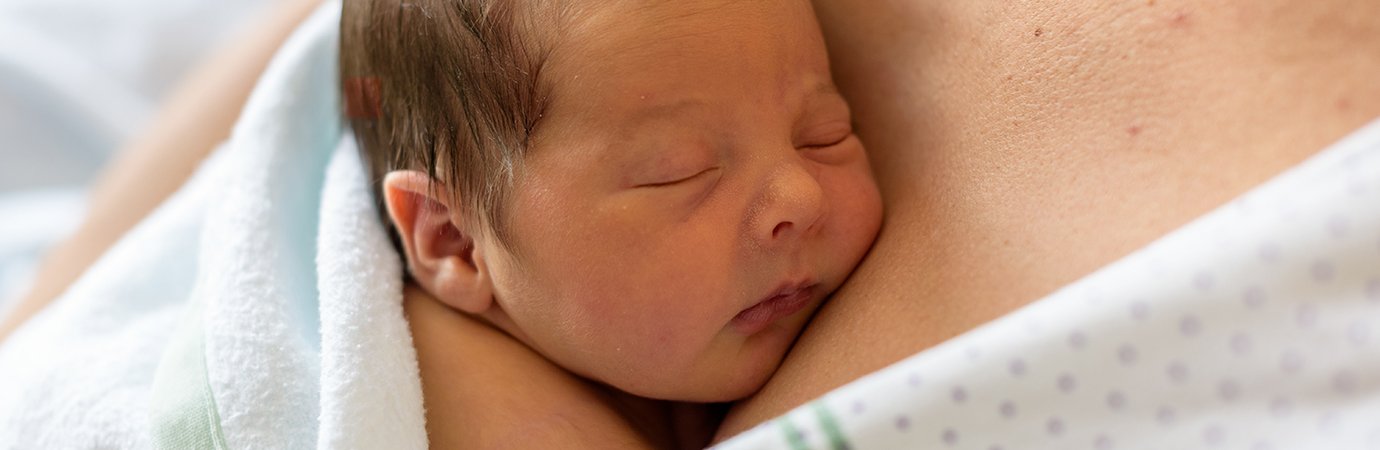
{"x": 780, "y": 305}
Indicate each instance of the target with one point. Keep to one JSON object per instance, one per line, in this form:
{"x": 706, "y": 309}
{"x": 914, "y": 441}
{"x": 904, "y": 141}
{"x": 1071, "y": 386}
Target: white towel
{"x": 260, "y": 307}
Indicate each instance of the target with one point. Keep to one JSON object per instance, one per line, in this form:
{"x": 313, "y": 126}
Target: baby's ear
{"x": 441, "y": 252}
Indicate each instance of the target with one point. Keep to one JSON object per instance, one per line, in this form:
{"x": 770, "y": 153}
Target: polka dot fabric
{"x": 1255, "y": 327}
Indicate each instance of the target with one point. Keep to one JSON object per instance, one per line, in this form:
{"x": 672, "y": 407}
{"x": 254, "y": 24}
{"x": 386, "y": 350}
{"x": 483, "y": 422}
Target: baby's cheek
{"x": 854, "y": 199}
{"x": 626, "y": 319}
{"x": 856, "y": 216}
{"x": 642, "y": 354}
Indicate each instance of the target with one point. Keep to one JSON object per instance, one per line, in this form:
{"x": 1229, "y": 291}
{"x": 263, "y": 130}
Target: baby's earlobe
{"x": 442, "y": 255}
{"x": 464, "y": 285}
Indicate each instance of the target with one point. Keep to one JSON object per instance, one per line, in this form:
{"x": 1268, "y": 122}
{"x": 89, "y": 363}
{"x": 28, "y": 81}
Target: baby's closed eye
{"x": 676, "y": 179}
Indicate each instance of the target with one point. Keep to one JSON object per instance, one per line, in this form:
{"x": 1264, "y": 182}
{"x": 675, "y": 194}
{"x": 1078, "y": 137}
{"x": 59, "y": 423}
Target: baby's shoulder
{"x": 527, "y": 401}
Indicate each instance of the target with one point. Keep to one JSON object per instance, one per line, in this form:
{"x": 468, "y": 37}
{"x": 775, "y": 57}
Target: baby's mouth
{"x": 784, "y": 302}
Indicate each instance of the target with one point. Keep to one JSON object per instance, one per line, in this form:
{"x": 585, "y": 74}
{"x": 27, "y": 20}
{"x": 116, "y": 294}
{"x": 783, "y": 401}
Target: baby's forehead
{"x": 617, "y": 40}
{"x": 632, "y": 25}
{"x": 619, "y": 64}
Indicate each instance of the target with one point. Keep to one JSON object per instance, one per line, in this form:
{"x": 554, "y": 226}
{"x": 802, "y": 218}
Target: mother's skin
{"x": 1020, "y": 145}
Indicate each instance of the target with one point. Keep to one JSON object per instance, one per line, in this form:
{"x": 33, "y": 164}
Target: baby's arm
{"x": 483, "y": 390}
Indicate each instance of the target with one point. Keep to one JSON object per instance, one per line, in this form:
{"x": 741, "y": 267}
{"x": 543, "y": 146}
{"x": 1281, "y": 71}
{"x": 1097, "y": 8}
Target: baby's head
{"x": 653, "y": 194}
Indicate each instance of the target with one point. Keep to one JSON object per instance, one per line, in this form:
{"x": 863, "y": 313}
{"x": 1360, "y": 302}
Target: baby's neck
{"x": 678, "y": 425}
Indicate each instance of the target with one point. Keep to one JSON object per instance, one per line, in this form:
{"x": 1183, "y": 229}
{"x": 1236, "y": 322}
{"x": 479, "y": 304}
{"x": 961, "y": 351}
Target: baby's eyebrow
{"x": 824, "y": 87}
{"x": 661, "y": 112}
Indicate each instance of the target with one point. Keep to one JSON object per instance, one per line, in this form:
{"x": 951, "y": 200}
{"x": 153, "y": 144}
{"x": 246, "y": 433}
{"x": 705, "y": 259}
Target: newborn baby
{"x": 655, "y": 195}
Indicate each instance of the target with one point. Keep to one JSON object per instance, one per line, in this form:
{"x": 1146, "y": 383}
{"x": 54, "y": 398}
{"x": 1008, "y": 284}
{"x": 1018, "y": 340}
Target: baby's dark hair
{"x": 451, "y": 87}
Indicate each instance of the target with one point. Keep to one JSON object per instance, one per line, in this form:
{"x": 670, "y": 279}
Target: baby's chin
{"x": 709, "y": 385}
{"x": 734, "y": 368}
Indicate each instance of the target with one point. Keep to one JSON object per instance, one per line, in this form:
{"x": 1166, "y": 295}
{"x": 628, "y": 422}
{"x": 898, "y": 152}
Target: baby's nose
{"x": 791, "y": 204}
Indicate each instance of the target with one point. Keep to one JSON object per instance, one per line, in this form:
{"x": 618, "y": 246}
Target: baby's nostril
{"x": 780, "y": 228}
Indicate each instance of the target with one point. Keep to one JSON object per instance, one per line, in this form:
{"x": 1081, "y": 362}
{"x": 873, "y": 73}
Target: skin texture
{"x": 683, "y": 173}
{"x": 1022, "y": 145}
{"x": 551, "y": 408}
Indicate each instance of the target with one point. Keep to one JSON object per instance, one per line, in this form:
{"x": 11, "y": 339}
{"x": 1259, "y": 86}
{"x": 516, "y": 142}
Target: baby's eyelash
{"x": 678, "y": 181}
{"x": 834, "y": 142}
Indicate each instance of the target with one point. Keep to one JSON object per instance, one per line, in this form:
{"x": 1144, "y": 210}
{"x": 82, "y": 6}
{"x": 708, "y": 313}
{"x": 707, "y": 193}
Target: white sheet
{"x": 77, "y": 79}
{"x": 32, "y": 221}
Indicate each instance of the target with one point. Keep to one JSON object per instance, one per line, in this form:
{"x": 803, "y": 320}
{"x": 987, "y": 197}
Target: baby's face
{"x": 694, "y": 192}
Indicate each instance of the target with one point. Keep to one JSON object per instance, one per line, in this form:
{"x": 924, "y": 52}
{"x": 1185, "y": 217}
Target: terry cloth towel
{"x": 260, "y": 307}
{"x": 1257, "y": 326}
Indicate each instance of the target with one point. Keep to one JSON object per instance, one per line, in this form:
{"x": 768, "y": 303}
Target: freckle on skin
{"x": 1039, "y": 32}
{"x": 1343, "y": 105}
{"x": 1133, "y": 130}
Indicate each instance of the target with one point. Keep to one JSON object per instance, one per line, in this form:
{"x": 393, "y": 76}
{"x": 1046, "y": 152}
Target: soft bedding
{"x": 260, "y": 307}
{"x": 78, "y": 78}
